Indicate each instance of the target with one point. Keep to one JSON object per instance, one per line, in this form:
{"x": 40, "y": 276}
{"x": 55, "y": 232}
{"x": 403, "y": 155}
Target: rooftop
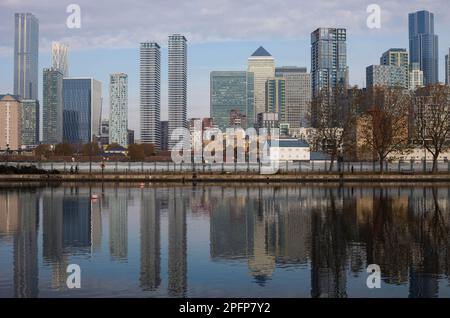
{"x": 286, "y": 143}
{"x": 261, "y": 52}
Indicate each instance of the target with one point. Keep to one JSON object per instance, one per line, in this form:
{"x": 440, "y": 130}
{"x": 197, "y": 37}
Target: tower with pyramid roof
{"x": 262, "y": 64}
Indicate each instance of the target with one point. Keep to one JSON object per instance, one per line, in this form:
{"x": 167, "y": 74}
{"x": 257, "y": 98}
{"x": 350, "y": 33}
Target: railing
{"x": 284, "y": 167}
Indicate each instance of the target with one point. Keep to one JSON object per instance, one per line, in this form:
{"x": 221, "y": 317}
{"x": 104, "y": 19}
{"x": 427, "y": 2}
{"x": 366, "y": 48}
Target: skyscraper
{"x": 424, "y": 44}
{"x": 118, "y": 116}
{"x": 82, "y": 109}
{"x": 328, "y": 59}
{"x": 447, "y": 69}
{"x": 262, "y": 65}
{"x": 276, "y": 97}
{"x": 164, "y": 135}
{"x": 231, "y": 91}
{"x": 52, "y": 107}
{"x": 60, "y": 57}
{"x": 298, "y": 95}
{"x": 150, "y": 93}
{"x": 177, "y": 84}
{"x": 397, "y": 57}
{"x": 26, "y": 52}
{"x": 29, "y": 126}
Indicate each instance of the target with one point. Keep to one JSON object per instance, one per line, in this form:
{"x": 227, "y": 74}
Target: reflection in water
{"x": 329, "y": 234}
{"x": 25, "y": 247}
{"x": 150, "y": 277}
{"x": 118, "y": 225}
{"x": 178, "y": 204}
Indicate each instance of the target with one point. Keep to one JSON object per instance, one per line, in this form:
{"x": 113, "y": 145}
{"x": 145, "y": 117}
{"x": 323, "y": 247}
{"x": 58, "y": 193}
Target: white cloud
{"x": 124, "y": 23}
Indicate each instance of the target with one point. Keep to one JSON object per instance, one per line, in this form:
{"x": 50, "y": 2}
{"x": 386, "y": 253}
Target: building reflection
{"x": 150, "y": 275}
{"x": 177, "y": 259}
{"x": 334, "y": 232}
{"x": 52, "y": 207}
{"x": 76, "y": 222}
{"x": 338, "y": 231}
{"x": 19, "y": 222}
{"x": 26, "y": 273}
{"x": 9, "y": 213}
{"x": 118, "y": 225}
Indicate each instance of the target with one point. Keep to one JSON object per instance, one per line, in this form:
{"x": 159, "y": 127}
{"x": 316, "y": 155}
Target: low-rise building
{"x": 10, "y": 122}
{"x": 290, "y": 150}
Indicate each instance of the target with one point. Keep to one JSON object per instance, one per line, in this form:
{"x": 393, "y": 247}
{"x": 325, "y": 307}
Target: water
{"x": 224, "y": 241}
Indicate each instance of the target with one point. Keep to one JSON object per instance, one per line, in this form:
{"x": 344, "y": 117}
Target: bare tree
{"x": 432, "y": 119}
{"x": 333, "y": 116}
{"x": 385, "y": 125}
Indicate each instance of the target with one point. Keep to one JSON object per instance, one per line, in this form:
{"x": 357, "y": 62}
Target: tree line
{"x": 378, "y": 122}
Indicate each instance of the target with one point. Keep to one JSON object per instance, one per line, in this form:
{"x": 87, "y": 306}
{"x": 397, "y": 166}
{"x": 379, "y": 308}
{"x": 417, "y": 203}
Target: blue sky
{"x": 221, "y": 35}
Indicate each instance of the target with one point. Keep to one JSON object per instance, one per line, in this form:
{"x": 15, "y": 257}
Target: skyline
{"x": 222, "y": 53}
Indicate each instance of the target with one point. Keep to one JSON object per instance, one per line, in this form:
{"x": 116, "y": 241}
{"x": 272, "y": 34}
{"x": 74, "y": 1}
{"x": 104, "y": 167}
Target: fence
{"x": 284, "y": 167}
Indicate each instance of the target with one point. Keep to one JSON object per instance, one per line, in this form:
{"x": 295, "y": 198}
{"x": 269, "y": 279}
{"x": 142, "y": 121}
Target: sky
{"x": 221, "y": 35}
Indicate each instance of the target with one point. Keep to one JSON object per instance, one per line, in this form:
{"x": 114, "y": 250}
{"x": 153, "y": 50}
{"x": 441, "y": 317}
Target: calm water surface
{"x": 224, "y": 241}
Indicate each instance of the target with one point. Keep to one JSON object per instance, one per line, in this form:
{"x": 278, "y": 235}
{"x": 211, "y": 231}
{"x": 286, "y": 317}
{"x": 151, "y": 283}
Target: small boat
{"x": 94, "y": 197}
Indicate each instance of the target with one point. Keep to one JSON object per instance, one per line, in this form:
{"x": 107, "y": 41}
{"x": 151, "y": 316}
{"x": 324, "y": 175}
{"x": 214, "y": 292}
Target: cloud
{"x": 124, "y": 23}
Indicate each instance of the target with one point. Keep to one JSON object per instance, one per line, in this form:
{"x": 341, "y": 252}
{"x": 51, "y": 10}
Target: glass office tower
{"x": 328, "y": 59}
{"x": 231, "y": 91}
{"x": 298, "y": 95}
{"x": 26, "y": 52}
{"x": 424, "y": 45}
{"x": 82, "y": 110}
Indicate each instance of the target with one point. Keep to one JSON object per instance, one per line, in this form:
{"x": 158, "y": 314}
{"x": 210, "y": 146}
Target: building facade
{"x": 237, "y": 120}
{"x": 82, "y": 110}
{"x": 130, "y": 135}
{"x": 52, "y": 107}
{"x": 424, "y": 45}
{"x": 415, "y": 77}
{"x": 104, "y": 132}
{"x": 298, "y": 95}
{"x": 289, "y": 150}
{"x": 397, "y": 57}
{"x": 386, "y": 75}
{"x": 164, "y": 135}
{"x": 267, "y": 120}
{"x": 231, "y": 91}
{"x": 328, "y": 59}
{"x": 26, "y": 55}
{"x": 150, "y": 93}
{"x": 262, "y": 65}
{"x": 29, "y": 126}
{"x": 177, "y": 84}
{"x": 60, "y": 57}
{"x": 276, "y": 97}
{"x": 10, "y": 122}
{"x": 447, "y": 69}
{"x": 118, "y": 111}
